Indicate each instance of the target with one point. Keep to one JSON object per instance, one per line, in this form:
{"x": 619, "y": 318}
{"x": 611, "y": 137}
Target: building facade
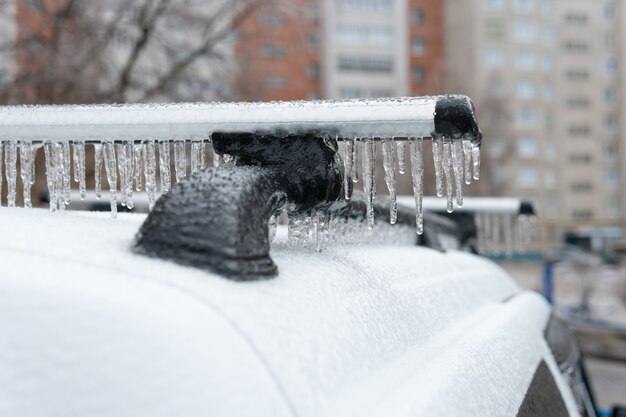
{"x": 547, "y": 94}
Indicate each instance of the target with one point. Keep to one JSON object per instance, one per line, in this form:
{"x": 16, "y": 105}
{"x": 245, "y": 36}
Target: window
{"x": 525, "y": 89}
{"x": 610, "y": 66}
{"x": 527, "y": 148}
{"x": 549, "y": 151}
{"x": 417, "y": 16}
{"x": 365, "y": 64}
{"x": 524, "y": 6}
{"x": 494, "y": 58}
{"x": 272, "y": 51}
{"x": 610, "y": 95}
{"x": 494, "y": 4}
{"x": 548, "y": 92}
{"x": 494, "y": 29}
{"x": 579, "y": 130}
{"x": 610, "y": 122}
{"x": 578, "y": 102}
{"x": 271, "y": 20}
{"x": 275, "y": 82}
{"x": 365, "y": 6}
{"x": 547, "y": 8}
{"x": 419, "y": 74}
{"x": 527, "y": 177}
{"x": 611, "y": 178}
{"x": 357, "y": 92}
{"x": 418, "y": 46}
{"x": 552, "y": 207}
{"x": 313, "y": 71}
{"x": 573, "y": 18}
{"x": 575, "y": 46}
{"x": 364, "y": 35}
{"x": 582, "y": 214}
{"x": 526, "y": 118}
{"x": 614, "y": 207}
{"x": 550, "y": 179}
{"x": 548, "y": 36}
{"x": 497, "y": 148}
{"x": 525, "y": 60}
{"x": 580, "y": 158}
{"x": 525, "y": 31}
{"x": 577, "y": 74}
{"x": 581, "y": 186}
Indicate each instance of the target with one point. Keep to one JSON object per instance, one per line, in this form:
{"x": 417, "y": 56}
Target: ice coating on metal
{"x": 402, "y": 117}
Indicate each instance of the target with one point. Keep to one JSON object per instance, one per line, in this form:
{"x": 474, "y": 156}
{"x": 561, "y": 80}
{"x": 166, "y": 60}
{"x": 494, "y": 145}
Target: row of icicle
{"x": 135, "y": 165}
{"x": 456, "y": 162}
{"x": 504, "y": 234}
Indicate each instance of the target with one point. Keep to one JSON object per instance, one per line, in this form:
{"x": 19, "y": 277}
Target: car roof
{"x": 352, "y": 330}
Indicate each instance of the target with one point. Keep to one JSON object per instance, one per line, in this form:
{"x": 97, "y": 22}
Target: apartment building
{"x": 544, "y": 76}
{"x": 341, "y": 49}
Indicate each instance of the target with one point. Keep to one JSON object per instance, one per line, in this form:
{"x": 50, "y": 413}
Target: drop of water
{"x": 389, "y": 164}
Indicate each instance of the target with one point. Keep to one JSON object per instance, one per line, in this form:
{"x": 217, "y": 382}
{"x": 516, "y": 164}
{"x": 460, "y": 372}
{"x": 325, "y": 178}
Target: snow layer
{"x": 91, "y": 329}
{"x": 411, "y": 116}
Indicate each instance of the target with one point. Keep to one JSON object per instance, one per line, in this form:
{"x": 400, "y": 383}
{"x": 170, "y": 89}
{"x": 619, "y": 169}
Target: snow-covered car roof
{"x": 90, "y": 328}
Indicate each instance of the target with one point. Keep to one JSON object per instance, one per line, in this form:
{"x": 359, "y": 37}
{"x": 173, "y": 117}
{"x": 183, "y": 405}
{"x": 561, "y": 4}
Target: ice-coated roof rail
{"x": 286, "y": 153}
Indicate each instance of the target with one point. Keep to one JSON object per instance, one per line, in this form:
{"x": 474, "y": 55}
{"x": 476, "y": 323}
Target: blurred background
{"x": 548, "y": 78}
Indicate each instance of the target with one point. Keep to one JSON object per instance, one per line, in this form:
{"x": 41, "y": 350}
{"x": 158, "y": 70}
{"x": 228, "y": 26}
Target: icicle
{"x": 480, "y": 233}
{"x": 457, "y": 167}
{"x": 97, "y": 151}
{"x": 271, "y": 227}
{"x": 355, "y": 160}
{"x": 368, "y": 180}
{"x": 47, "y": 147}
{"x": 110, "y": 167}
{"x": 125, "y": 161}
{"x": 447, "y": 170}
{"x": 294, "y": 228}
{"x": 476, "y": 161}
{"x": 150, "y": 171}
{"x": 439, "y": 163}
{"x": 321, "y": 230}
{"x": 467, "y": 166}
{"x": 164, "y": 166}
{"x": 10, "y": 158}
{"x": 216, "y": 158}
{"x": 417, "y": 165}
{"x": 495, "y": 234}
{"x": 508, "y": 235}
{"x": 26, "y": 161}
{"x": 197, "y": 156}
{"x": 401, "y": 148}
{"x": 487, "y": 236}
{"x": 389, "y": 164}
{"x": 348, "y": 152}
{"x": 138, "y": 166}
{"x": 180, "y": 160}
{"x": 67, "y": 175}
{"x": 1, "y": 169}
{"x": 79, "y": 168}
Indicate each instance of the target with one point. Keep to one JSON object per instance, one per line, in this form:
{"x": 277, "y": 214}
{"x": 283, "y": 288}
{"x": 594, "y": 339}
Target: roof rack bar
{"x": 451, "y": 116}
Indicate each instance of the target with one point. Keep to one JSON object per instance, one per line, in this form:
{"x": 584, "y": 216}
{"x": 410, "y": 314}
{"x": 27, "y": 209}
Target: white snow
{"x": 91, "y": 329}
